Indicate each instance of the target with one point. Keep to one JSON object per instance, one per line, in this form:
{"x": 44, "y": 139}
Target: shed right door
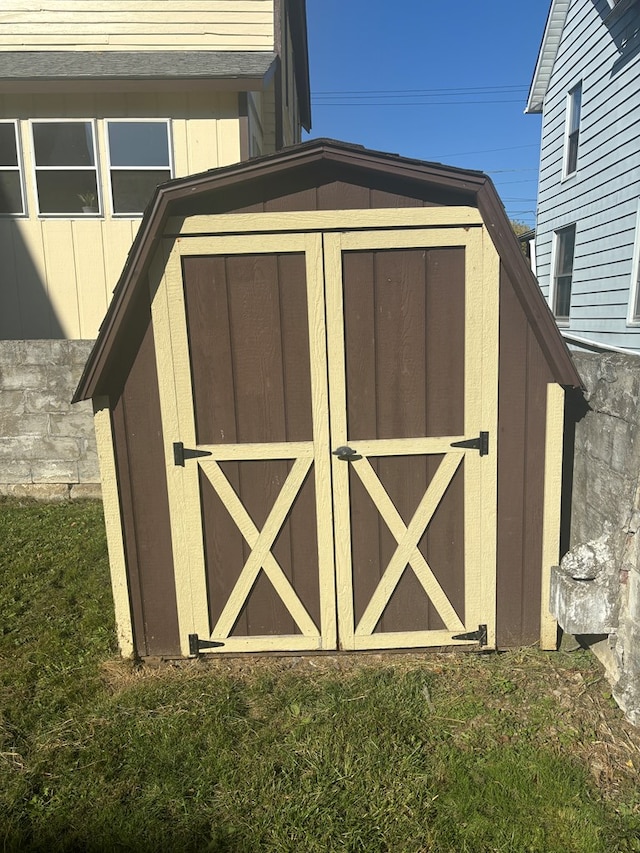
{"x": 412, "y": 348}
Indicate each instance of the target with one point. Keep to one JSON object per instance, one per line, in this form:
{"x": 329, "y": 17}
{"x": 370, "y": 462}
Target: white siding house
{"x": 587, "y": 86}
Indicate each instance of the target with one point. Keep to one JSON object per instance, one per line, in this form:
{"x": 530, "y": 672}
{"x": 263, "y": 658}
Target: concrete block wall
{"x": 47, "y": 446}
{"x": 606, "y": 508}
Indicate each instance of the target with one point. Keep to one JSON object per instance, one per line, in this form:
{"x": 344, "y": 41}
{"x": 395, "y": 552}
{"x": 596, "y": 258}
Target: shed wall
{"x": 522, "y": 402}
{"x": 137, "y": 428}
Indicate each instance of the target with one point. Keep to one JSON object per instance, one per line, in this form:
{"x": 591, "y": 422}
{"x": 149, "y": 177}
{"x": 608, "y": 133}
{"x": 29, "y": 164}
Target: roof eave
{"x": 547, "y": 55}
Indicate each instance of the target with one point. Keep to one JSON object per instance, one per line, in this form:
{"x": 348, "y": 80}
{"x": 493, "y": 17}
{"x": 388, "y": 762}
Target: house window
{"x": 563, "y": 272}
{"x": 65, "y": 167}
{"x": 139, "y": 160}
{"x": 574, "y": 103}
{"x": 11, "y": 195}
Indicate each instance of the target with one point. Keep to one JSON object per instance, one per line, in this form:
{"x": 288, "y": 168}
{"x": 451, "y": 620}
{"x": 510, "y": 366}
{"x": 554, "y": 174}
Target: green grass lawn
{"x": 521, "y": 751}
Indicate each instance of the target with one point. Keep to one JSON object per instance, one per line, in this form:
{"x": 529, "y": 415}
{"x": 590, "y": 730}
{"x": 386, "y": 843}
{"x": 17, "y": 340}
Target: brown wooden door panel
{"x": 403, "y": 389}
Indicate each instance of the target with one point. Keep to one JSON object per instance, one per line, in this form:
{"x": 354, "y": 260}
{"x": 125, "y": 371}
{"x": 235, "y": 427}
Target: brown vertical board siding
{"x": 405, "y": 378}
{"x": 143, "y": 488}
{"x": 249, "y": 348}
{"x": 524, "y": 375}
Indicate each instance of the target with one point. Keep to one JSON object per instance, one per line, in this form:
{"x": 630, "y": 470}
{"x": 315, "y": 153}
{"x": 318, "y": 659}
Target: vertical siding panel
{"x": 11, "y": 321}
{"x": 36, "y": 294}
{"x": 61, "y": 274}
{"x": 90, "y": 276}
{"x": 512, "y": 414}
{"x": 228, "y": 140}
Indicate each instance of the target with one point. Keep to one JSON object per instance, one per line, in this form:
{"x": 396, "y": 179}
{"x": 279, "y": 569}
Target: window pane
{"x": 576, "y": 104}
{"x": 563, "y": 297}
{"x": 10, "y": 193}
{"x": 132, "y": 190}
{"x": 135, "y": 143}
{"x": 572, "y": 154}
{"x": 566, "y": 242}
{"x": 60, "y": 191}
{"x": 8, "y": 150}
{"x": 64, "y": 143}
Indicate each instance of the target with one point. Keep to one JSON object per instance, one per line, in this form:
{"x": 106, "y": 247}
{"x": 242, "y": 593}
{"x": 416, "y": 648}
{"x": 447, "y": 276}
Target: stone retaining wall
{"x": 605, "y": 516}
{"x": 47, "y": 446}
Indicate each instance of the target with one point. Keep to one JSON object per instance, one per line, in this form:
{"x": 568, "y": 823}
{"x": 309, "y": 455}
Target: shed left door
{"x": 245, "y": 348}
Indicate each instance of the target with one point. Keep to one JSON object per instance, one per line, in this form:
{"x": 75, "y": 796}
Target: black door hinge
{"x": 480, "y": 443}
{"x": 196, "y": 645}
{"x": 180, "y": 453}
{"x": 480, "y": 636}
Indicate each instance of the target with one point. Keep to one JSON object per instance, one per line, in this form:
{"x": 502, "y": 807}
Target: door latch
{"x": 346, "y": 454}
{"x": 180, "y": 453}
{"x": 480, "y": 443}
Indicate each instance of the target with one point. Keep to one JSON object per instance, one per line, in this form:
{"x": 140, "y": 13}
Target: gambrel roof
{"x": 301, "y": 168}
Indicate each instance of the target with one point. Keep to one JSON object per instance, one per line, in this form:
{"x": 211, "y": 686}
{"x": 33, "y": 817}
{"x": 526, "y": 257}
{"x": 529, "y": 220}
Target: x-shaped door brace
{"x": 407, "y": 551}
{"x": 261, "y": 543}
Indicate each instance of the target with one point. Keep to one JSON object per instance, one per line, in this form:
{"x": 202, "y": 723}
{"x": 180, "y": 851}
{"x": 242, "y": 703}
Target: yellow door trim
{"x": 552, "y": 509}
{"x": 325, "y": 220}
{"x": 174, "y": 376}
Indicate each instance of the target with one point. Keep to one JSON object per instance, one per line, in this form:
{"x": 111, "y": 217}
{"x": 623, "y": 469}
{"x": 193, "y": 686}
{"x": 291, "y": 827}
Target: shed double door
{"x": 315, "y": 389}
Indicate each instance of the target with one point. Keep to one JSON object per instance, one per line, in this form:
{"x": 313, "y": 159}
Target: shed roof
{"x": 318, "y": 161}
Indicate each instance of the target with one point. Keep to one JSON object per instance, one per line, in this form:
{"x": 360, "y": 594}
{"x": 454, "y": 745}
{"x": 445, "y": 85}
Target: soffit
{"x": 547, "y": 54}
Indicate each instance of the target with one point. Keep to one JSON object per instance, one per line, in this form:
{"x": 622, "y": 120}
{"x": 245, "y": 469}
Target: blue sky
{"x": 441, "y": 81}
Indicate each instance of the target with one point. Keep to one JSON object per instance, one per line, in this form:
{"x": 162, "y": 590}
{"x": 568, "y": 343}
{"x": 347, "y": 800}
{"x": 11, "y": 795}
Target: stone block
{"x": 45, "y": 352}
{"x": 86, "y": 491}
{"x": 57, "y": 447}
{"x": 54, "y": 471}
{"x": 12, "y": 402}
{"x": 37, "y": 491}
{"x": 584, "y": 606}
{"x": 22, "y": 377}
{"x": 17, "y": 425}
{"x": 18, "y": 447}
{"x": 15, "y": 471}
{"x": 72, "y": 424}
{"x": 46, "y": 401}
{"x": 89, "y": 467}
{"x": 79, "y": 353}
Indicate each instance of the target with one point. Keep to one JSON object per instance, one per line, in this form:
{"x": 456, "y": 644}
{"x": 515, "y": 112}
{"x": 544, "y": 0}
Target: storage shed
{"x": 329, "y": 401}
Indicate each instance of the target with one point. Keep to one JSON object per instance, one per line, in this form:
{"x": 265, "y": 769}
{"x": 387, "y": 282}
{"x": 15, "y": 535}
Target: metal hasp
{"x": 180, "y": 453}
{"x": 346, "y": 454}
{"x": 196, "y": 645}
{"x": 480, "y": 443}
{"x": 480, "y": 636}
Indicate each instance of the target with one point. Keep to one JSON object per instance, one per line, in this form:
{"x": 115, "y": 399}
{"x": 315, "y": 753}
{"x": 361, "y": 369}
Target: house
{"x": 329, "y": 401}
{"x": 99, "y": 103}
{"x": 586, "y": 85}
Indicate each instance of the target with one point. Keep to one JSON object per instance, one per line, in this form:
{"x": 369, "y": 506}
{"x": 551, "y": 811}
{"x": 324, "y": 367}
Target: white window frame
{"x": 570, "y": 116}
{"x": 19, "y": 169}
{"x": 96, "y": 168}
{"x": 633, "y": 313}
{"x": 133, "y": 120}
{"x": 563, "y": 322}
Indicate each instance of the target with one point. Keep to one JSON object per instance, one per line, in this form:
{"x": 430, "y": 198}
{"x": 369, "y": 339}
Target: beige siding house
{"x": 103, "y": 100}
